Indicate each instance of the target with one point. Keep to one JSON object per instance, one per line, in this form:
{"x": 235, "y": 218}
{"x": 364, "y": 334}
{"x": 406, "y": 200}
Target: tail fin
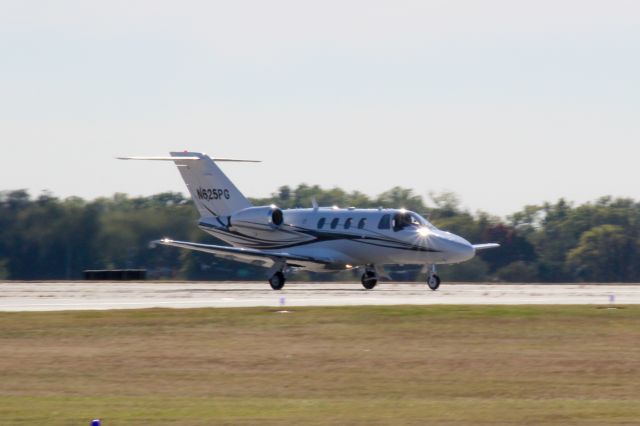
{"x": 212, "y": 191}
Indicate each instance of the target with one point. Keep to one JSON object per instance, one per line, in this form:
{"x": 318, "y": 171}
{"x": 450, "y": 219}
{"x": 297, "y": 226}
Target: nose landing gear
{"x": 433, "y": 280}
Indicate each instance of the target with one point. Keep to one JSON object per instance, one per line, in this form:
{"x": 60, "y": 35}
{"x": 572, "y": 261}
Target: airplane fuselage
{"x": 346, "y": 237}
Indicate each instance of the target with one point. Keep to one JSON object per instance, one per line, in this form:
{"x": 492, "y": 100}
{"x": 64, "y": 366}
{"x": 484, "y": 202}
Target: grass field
{"x": 445, "y": 365}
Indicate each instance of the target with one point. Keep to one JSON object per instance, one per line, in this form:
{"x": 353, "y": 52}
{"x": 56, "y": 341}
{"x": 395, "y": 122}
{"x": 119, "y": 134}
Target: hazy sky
{"x": 505, "y": 103}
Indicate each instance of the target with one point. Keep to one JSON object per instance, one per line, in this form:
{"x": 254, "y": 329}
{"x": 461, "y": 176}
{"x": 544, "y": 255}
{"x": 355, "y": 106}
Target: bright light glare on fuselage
{"x": 424, "y": 232}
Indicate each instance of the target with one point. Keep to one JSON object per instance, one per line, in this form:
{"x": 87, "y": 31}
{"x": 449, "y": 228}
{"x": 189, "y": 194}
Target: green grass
{"x": 446, "y": 365}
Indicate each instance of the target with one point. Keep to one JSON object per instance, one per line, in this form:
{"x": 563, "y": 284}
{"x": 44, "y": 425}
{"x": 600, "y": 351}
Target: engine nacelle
{"x": 262, "y": 218}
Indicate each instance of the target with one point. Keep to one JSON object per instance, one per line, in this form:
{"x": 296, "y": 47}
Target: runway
{"x": 83, "y": 295}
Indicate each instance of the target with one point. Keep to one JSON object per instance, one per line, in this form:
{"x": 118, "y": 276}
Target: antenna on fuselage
{"x": 314, "y": 203}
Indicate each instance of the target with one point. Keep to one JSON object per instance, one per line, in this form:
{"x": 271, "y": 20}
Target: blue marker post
{"x": 95, "y": 422}
{"x": 282, "y": 301}
{"x": 612, "y": 298}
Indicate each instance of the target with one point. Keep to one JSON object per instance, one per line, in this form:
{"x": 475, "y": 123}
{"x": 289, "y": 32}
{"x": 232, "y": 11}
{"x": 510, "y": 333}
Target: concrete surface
{"x": 58, "y": 296}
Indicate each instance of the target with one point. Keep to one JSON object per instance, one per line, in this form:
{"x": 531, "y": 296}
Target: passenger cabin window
{"x": 321, "y": 223}
{"x": 347, "y": 223}
{"x": 362, "y": 223}
{"x": 334, "y": 223}
{"x": 385, "y": 222}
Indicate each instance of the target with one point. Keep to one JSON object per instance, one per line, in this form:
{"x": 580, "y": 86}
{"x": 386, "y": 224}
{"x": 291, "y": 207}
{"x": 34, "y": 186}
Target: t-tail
{"x": 212, "y": 191}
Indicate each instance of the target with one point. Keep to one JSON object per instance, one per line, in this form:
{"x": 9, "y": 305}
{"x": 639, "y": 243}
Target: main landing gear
{"x": 369, "y": 279}
{"x": 277, "y": 280}
{"x": 433, "y": 280}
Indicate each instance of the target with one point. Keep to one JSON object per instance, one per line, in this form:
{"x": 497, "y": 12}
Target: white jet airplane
{"x": 318, "y": 239}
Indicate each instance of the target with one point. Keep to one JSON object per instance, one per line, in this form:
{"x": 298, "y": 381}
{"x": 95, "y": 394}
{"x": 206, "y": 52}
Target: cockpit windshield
{"x": 405, "y": 220}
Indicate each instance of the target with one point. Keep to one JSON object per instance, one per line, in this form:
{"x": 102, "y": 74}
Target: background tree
{"x": 605, "y": 253}
{"x": 49, "y": 238}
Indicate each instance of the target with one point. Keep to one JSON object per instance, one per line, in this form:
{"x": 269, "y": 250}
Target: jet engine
{"x": 260, "y": 218}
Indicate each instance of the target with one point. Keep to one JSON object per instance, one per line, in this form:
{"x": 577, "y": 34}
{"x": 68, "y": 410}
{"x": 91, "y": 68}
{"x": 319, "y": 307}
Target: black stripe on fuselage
{"x": 319, "y": 237}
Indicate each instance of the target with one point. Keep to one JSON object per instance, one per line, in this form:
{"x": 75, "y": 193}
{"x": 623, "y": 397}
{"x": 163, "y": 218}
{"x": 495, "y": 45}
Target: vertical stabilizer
{"x": 212, "y": 191}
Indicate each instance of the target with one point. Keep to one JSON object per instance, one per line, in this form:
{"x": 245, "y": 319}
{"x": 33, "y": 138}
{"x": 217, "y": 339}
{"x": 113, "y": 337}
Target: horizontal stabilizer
{"x": 187, "y": 158}
{"x": 158, "y": 158}
{"x": 233, "y": 160}
{"x": 478, "y": 247}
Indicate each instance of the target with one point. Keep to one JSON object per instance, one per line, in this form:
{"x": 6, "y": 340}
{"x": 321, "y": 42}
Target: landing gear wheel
{"x": 433, "y": 282}
{"x": 277, "y": 281}
{"x": 369, "y": 280}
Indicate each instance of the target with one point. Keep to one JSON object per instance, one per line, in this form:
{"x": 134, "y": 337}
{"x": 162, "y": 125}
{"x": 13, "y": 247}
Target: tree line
{"x": 45, "y": 237}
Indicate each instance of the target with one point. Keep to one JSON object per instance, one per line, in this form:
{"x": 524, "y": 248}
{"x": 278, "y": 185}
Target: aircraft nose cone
{"x": 466, "y": 250}
{"x": 457, "y": 248}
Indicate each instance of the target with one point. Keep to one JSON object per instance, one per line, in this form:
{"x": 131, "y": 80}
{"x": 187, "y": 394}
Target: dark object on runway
{"x": 116, "y": 275}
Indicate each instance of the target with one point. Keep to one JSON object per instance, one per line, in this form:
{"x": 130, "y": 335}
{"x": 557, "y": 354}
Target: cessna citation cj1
{"x": 318, "y": 239}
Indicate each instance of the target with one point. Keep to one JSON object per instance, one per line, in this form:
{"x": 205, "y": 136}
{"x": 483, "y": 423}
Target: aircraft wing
{"x": 479, "y": 247}
{"x": 247, "y": 255}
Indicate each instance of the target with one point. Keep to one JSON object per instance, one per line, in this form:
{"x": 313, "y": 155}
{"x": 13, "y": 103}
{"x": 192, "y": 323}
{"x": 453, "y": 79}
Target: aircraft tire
{"x": 277, "y": 281}
{"x": 433, "y": 282}
{"x": 369, "y": 280}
